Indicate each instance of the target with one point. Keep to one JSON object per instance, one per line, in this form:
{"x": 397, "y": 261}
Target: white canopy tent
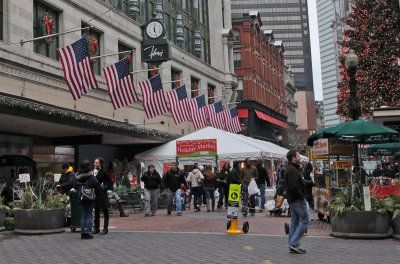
{"x": 229, "y": 147}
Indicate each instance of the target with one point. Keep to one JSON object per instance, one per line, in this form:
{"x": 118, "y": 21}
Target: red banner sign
{"x": 196, "y": 148}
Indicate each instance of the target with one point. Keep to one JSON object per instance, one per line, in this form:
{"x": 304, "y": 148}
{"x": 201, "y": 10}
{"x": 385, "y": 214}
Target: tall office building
{"x": 331, "y": 27}
{"x": 288, "y": 19}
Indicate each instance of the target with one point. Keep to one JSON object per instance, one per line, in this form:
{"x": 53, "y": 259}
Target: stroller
{"x": 281, "y": 204}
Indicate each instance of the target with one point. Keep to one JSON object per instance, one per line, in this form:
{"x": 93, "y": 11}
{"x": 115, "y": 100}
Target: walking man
{"x": 296, "y": 198}
{"x": 173, "y": 181}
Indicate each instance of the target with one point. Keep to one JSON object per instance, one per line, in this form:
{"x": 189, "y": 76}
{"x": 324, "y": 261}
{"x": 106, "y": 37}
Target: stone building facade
{"x": 35, "y": 103}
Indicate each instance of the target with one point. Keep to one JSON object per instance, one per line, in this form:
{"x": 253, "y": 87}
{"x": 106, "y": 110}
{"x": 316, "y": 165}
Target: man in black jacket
{"x": 261, "y": 180}
{"x": 66, "y": 181}
{"x": 296, "y": 198}
{"x": 173, "y": 181}
{"x": 102, "y": 202}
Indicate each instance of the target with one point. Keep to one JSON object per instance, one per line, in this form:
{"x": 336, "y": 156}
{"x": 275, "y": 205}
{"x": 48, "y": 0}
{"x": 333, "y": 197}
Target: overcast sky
{"x": 316, "y": 62}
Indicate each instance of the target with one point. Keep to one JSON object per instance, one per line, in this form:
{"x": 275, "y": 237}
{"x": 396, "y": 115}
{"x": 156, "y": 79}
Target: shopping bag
{"x": 253, "y": 189}
{"x": 270, "y": 205}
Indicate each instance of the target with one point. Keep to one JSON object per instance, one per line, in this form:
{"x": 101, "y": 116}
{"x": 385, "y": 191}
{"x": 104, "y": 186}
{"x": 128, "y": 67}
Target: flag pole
{"x": 53, "y": 35}
{"x": 176, "y": 81}
{"x": 218, "y": 96}
{"x": 147, "y": 70}
{"x": 111, "y": 54}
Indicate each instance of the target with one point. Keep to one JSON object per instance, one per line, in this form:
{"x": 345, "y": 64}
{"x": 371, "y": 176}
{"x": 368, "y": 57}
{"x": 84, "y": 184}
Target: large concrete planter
{"x": 361, "y": 224}
{"x": 2, "y": 219}
{"x": 396, "y": 227}
{"x": 39, "y": 222}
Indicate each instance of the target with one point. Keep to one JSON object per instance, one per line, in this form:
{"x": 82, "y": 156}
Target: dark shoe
{"x": 95, "y": 231}
{"x": 123, "y": 215}
{"x": 122, "y": 201}
{"x": 208, "y": 210}
{"x": 153, "y": 214}
{"x": 297, "y": 250}
{"x": 252, "y": 214}
{"x": 179, "y": 214}
{"x": 169, "y": 213}
{"x": 146, "y": 215}
{"x": 83, "y": 236}
{"x": 89, "y": 236}
{"x": 104, "y": 232}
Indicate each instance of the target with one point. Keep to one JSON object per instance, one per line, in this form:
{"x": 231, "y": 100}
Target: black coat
{"x": 234, "y": 176}
{"x": 67, "y": 182}
{"x": 101, "y": 195}
{"x": 174, "y": 179}
{"x": 262, "y": 175}
{"x": 151, "y": 181}
{"x": 294, "y": 183}
{"x": 90, "y": 179}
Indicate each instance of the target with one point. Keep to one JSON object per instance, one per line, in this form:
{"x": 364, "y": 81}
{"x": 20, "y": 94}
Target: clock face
{"x": 154, "y": 29}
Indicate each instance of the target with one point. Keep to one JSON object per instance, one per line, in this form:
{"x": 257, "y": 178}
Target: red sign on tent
{"x": 196, "y": 148}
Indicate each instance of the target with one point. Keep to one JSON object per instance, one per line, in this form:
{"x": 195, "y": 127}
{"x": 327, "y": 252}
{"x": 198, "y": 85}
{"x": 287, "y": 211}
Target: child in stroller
{"x": 184, "y": 197}
{"x": 279, "y": 198}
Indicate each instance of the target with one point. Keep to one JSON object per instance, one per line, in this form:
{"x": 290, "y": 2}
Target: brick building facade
{"x": 259, "y": 66}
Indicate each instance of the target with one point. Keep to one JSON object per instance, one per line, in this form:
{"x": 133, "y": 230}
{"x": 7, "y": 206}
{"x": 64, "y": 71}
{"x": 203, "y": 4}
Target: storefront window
{"x": 194, "y": 87}
{"x": 175, "y": 76}
{"x": 93, "y": 38}
{"x": 211, "y": 94}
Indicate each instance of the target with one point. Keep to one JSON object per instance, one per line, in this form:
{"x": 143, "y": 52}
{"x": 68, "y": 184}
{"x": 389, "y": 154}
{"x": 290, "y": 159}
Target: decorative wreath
{"x": 93, "y": 46}
{"x": 47, "y": 27}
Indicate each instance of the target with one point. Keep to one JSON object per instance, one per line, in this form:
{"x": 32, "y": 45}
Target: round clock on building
{"x": 155, "y": 29}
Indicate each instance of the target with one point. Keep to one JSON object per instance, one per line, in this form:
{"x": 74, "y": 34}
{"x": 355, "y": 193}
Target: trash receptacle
{"x": 75, "y": 211}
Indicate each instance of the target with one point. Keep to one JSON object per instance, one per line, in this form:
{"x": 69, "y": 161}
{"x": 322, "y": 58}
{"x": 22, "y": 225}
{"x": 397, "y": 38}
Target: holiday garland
{"x": 47, "y": 27}
{"x": 374, "y": 35}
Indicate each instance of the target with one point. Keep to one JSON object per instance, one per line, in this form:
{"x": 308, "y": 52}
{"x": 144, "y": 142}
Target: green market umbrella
{"x": 359, "y": 132}
{"x": 388, "y": 149}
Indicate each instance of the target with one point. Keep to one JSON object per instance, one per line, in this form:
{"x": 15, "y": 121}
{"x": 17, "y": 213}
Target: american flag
{"x": 179, "y": 104}
{"x": 215, "y": 112}
{"x": 120, "y": 84}
{"x": 154, "y": 102}
{"x": 198, "y": 111}
{"x": 78, "y": 71}
{"x": 232, "y": 120}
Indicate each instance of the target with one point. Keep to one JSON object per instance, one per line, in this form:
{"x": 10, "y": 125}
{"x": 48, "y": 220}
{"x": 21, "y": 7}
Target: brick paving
{"x": 190, "y": 221}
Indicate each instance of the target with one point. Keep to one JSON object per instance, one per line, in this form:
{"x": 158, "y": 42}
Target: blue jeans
{"x": 262, "y": 192}
{"x": 178, "y": 201}
{"x": 86, "y": 217}
{"x": 299, "y": 221}
{"x": 210, "y": 193}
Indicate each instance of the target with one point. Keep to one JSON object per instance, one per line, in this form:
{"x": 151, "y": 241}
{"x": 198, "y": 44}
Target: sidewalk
{"x": 190, "y": 221}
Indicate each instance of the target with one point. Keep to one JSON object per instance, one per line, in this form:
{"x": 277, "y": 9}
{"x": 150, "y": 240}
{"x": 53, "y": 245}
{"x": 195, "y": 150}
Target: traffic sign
{"x": 234, "y": 192}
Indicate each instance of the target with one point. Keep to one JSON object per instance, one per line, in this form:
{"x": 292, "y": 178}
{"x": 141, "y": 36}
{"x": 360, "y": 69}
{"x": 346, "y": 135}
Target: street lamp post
{"x": 353, "y": 104}
{"x": 351, "y": 64}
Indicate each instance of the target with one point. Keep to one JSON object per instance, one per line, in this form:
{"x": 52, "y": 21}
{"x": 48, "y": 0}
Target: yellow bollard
{"x": 234, "y": 228}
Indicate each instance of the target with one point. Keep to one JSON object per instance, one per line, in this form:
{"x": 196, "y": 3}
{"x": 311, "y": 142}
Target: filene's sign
{"x": 155, "y": 53}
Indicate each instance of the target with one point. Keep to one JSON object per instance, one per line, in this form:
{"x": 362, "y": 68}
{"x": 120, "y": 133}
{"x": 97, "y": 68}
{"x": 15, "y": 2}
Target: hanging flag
{"x": 215, "y": 112}
{"x": 198, "y": 111}
{"x": 232, "y": 121}
{"x": 154, "y": 102}
{"x": 78, "y": 70}
{"x": 179, "y": 104}
{"x": 120, "y": 84}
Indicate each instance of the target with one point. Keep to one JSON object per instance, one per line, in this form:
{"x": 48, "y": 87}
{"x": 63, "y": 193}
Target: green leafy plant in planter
{"x": 352, "y": 199}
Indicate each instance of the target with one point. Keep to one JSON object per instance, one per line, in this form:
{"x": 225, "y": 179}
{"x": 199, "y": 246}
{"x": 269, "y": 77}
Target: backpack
{"x": 86, "y": 193}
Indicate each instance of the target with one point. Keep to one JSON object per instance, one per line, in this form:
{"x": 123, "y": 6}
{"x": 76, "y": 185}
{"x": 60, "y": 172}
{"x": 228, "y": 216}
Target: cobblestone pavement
{"x": 173, "y": 247}
{"x": 190, "y": 221}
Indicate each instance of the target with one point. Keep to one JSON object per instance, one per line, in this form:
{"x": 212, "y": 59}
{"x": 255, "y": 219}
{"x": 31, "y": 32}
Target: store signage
{"x": 321, "y": 200}
{"x": 196, "y": 148}
{"x": 342, "y": 164}
{"x": 167, "y": 166}
{"x": 311, "y": 154}
{"x": 336, "y": 147}
{"x": 24, "y": 177}
{"x": 155, "y": 52}
{"x": 321, "y": 147}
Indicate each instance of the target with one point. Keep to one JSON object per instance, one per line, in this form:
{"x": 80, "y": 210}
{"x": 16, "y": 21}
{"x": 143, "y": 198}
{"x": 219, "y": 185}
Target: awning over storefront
{"x": 271, "y": 120}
